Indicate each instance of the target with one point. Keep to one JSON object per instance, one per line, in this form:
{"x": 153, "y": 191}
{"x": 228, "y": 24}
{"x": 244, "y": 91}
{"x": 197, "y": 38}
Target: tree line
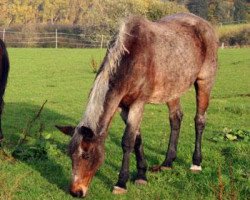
{"x": 102, "y": 17}
{"x": 79, "y": 12}
{"x": 99, "y": 12}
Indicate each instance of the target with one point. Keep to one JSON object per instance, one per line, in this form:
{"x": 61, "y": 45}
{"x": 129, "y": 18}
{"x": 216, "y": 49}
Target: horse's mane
{"x": 115, "y": 52}
{"x": 117, "y": 45}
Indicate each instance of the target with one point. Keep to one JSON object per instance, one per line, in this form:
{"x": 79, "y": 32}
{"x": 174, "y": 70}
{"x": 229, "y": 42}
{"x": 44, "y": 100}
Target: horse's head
{"x": 87, "y": 154}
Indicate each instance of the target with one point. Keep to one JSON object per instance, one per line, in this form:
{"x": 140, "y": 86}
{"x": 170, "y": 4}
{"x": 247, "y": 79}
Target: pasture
{"x": 41, "y": 168}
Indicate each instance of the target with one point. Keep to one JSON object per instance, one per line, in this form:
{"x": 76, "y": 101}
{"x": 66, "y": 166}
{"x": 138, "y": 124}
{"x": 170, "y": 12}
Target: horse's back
{"x": 161, "y": 60}
{"x": 185, "y": 50}
{"x": 202, "y": 33}
{"x": 172, "y": 54}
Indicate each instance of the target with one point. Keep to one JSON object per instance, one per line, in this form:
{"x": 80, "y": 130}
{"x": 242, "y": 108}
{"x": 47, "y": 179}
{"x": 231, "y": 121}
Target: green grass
{"x": 64, "y": 77}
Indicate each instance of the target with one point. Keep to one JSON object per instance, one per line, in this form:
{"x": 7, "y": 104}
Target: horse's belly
{"x": 175, "y": 73}
{"x": 160, "y": 96}
{"x": 169, "y": 85}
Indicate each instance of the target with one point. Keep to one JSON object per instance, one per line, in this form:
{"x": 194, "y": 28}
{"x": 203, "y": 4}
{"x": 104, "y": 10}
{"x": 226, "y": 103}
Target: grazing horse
{"x": 4, "y": 70}
{"x": 147, "y": 62}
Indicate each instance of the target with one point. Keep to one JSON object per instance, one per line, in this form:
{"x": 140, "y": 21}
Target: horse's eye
{"x": 85, "y": 155}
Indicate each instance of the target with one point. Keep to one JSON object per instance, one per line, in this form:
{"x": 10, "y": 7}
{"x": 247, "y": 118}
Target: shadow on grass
{"x": 15, "y": 119}
{"x": 54, "y": 171}
{"x": 152, "y": 158}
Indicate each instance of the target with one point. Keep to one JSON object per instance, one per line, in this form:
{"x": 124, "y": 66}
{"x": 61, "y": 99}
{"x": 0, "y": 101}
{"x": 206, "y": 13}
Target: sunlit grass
{"x": 64, "y": 78}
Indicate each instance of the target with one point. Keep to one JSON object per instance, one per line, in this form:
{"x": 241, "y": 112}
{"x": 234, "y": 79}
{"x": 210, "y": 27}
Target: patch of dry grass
{"x": 231, "y": 29}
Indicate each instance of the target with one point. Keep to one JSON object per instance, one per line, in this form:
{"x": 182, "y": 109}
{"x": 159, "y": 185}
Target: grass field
{"x": 64, "y": 77}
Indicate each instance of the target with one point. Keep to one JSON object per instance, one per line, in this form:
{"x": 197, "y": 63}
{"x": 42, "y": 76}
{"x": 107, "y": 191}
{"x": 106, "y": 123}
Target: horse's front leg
{"x": 133, "y": 121}
{"x": 141, "y": 163}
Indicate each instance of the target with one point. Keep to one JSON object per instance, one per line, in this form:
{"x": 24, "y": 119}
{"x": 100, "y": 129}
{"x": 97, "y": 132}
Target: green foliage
{"x": 158, "y": 9}
{"x": 198, "y": 7}
{"x": 240, "y": 10}
{"x": 218, "y": 11}
{"x": 36, "y": 151}
{"x": 29, "y": 147}
{"x": 94, "y": 65}
{"x": 228, "y": 134}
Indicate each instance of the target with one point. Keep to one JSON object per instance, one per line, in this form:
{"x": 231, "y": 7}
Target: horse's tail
{"x": 209, "y": 38}
{"x": 210, "y": 47}
{"x": 4, "y": 68}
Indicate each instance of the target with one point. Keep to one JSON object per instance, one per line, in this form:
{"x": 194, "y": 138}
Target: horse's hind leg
{"x": 202, "y": 100}
{"x": 131, "y": 141}
{"x": 175, "y": 118}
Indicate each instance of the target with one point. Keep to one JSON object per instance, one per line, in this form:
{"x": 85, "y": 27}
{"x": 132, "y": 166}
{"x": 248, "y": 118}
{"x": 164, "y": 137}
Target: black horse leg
{"x": 128, "y": 144}
{"x": 197, "y": 156}
{"x": 202, "y": 101}
{"x": 141, "y": 163}
{"x": 175, "y": 118}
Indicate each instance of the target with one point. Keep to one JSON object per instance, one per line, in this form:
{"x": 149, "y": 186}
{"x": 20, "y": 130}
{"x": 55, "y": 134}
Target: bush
{"x": 95, "y": 19}
{"x": 232, "y": 35}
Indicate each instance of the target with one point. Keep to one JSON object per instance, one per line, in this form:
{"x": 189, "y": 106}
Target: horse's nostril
{"x": 78, "y": 193}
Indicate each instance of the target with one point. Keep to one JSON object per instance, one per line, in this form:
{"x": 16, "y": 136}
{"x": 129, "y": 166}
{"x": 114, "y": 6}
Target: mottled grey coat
{"x": 147, "y": 62}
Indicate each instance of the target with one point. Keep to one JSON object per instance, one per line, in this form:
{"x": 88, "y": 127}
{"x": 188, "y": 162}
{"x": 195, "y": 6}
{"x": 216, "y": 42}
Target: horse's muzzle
{"x": 78, "y": 193}
{"x": 78, "y": 190}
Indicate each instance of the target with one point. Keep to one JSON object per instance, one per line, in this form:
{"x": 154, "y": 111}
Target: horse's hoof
{"x": 140, "y": 182}
{"x": 155, "y": 168}
{"x": 119, "y": 190}
{"x": 158, "y": 168}
{"x": 195, "y": 168}
{"x": 164, "y": 168}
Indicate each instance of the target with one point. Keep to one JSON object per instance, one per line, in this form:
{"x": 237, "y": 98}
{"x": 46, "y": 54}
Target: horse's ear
{"x": 86, "y": 132}
{"x": 67, "y": 130}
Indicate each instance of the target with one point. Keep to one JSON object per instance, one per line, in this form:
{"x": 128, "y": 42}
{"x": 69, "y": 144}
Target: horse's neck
{"x": 101, "y": 106}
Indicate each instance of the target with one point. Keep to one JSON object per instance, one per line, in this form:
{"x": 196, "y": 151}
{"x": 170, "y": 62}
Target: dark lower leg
{"x": 140, "y": 159}
{"x": 127, "y": 147}
{"x": 199, "y": 127}
{"x": 132, "y": 117}
{"x": 175, "y": 124}
{"x": 202, "y": 101}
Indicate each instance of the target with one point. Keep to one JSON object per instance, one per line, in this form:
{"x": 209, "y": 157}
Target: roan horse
{"x": 4, "y": 70}
{"x": 147, "y": 62}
